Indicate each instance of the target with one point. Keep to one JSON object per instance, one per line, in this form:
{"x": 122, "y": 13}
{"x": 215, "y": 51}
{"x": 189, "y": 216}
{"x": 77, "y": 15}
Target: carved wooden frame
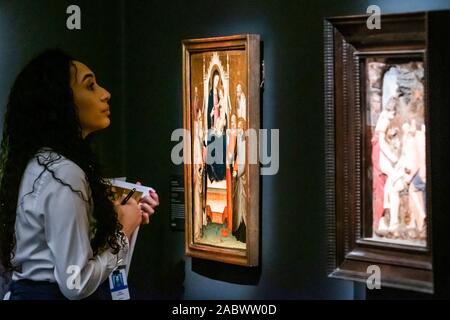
{"x": 250, "y": 43}
{"x": 347, "y": 41}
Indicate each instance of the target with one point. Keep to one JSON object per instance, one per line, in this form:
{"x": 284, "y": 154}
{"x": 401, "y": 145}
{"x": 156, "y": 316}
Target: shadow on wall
{"x": 175, "y": 281}
{"x": 226, "y": 272}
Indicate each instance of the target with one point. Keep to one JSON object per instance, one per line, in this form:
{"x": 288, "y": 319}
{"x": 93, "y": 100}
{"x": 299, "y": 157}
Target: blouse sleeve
{"x": 77, "y": 271}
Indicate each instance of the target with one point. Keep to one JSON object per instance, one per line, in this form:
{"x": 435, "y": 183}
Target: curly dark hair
{"x": 41, "y": 113}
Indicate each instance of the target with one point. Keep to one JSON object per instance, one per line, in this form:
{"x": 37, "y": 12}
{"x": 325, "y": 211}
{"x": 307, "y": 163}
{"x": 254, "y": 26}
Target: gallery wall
{"x": 134, "y": 47}
{"x": 293, "y": 242}
{"x": 29, "y": 27}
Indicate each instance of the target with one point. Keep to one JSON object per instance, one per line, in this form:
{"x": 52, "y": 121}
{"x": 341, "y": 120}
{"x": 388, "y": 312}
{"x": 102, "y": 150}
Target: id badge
{"x": 118, "y": 284}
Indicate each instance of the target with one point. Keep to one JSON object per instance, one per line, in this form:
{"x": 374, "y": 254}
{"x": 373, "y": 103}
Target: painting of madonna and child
{"x": 218, "y": 122}
{"x": 396, "y": 150}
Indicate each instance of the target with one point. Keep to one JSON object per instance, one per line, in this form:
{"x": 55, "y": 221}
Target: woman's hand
{"x": 148, "y": 205}
{"x": 130, "y": 216}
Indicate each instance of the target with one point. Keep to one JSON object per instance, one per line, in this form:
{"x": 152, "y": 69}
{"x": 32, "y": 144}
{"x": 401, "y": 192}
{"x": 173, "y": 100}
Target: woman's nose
{"x": 106, "y": 96}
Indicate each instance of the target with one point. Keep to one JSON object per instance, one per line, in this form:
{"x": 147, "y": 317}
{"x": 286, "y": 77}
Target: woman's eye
{"x": 91, "y": 86}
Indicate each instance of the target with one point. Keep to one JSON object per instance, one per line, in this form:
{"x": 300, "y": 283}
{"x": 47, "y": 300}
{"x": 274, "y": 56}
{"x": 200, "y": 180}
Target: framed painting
{"x": 380, "y": 172}
{"x": 221, "y": 92}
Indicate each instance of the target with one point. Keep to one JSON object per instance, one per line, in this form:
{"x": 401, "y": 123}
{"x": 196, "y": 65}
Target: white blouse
{"x": 53, "y": 230}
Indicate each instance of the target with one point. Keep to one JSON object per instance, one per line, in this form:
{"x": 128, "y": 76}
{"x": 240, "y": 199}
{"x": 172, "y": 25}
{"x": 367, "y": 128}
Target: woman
{"x": 57, "y": 221}
{"x": 240, "y": 185}
{"x": 199, "y": 220}
{"x": 215, "y": 162}
{"x": 230, "y": 164}
{"x": 383, "y": 161}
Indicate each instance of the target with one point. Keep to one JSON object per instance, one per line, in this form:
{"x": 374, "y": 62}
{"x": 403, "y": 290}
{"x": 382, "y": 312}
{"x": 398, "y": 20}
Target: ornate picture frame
{"x": 221, "y": 98}
{"x": 377, "y": 101}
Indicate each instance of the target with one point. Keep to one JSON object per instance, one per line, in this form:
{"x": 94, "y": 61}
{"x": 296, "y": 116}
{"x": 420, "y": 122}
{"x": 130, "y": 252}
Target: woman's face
{"x": 233, "y": 121}
{"x": 216, "y": 80}
{"x": 90, "y": 99}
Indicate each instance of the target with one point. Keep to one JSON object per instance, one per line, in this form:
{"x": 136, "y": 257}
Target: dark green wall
{"x": 29, "y": 27}
{"x": 293, "y": 245}
{"x": 135, "y": 49}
